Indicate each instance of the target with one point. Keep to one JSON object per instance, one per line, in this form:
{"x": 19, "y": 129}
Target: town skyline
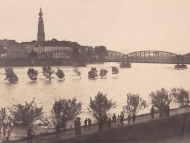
{"x": 125, "y": 25}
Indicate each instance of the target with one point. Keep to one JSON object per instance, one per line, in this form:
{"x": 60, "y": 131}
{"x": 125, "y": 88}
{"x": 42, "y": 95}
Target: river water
{"x": 141, "y": 79}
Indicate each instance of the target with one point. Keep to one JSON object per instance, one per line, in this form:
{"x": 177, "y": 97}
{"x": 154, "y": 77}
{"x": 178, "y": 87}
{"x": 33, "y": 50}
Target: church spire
{"x": 40, "y": 14}
{"x": 41, "y": 34}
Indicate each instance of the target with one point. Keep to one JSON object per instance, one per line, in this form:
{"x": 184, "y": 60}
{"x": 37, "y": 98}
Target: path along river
{"x": 141, "y": 79}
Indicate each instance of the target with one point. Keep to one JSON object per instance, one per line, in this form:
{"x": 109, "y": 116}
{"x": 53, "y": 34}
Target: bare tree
{"x": 77, "y": 71}
{"x": 134, "y": 104}
{"x": 181, "y": 95}
{"x": 100, "y": 105}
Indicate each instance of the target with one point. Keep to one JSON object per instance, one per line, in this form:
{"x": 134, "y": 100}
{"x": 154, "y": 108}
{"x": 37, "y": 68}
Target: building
{"x": 29, "y": 46}
{"x": 60, "y": 49}
{"x": 14, "y": 49}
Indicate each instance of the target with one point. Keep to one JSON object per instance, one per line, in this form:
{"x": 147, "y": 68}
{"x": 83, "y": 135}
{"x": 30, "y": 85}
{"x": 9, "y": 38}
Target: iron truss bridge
{"x": 148, "y": 56}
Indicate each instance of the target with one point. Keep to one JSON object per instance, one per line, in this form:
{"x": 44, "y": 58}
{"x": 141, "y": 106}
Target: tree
{"x": 10, "y": 75}
{"x": 6, "y": 123}
{"x": 83, "y": 52}
{"x": 60, "y": 73}
{"x": 181, "y": 95}
{"x": 93, "y": 73}
{"x": 32, "y": 54}
{"x": 134, "y": 103}
{"x": 27, "y": 113}
{"x": 2, "y": 50}
{"x": 160, "y": 99}
{"x": 115, "y": 70}
{"x": 103, "y": 72}
{"x": 75, "y": 53}
{"x": 101, "y": 51}
{"x": 77, "y": 71}
{"x": 70, "y": 108}
{"x": 90, "y": 53}
{"x": 47, "y": 72}
{"x": 100, "y": 105}
{"x": 32, "y": 74}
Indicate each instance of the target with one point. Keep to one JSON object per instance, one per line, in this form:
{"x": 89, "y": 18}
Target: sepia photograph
{"x": 95, "y": 71}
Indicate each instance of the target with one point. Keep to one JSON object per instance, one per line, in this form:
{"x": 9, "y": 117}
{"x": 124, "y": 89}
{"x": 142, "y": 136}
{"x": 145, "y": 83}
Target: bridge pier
{"x": 125, "y": 65}
{"x": 180, "y": 66}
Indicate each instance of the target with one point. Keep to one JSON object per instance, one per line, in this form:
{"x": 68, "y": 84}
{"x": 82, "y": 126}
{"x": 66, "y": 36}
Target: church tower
{"x": 41, "y": 34}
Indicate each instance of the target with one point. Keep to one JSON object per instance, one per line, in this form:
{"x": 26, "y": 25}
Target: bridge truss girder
{"x": 151, "y": 55}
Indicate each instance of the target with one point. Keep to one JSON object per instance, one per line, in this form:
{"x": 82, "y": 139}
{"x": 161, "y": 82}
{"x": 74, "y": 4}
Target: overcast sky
{"x": 129, "y": 25}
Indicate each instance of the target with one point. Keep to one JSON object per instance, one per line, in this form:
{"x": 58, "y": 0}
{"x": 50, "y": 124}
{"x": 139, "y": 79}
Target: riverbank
{"x": 28, "y": 62}
{"x": 145, "y": 129}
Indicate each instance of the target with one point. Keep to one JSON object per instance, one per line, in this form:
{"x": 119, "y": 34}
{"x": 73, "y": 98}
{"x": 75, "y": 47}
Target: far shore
{"x": 26, "y": 62}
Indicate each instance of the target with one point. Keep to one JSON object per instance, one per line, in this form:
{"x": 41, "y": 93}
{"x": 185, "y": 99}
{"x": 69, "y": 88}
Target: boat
{"x": 125, "y": 65}
{"x": 180, "y": 66}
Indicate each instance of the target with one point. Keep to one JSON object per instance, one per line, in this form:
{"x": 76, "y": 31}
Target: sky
{"x": 120, "y": 25}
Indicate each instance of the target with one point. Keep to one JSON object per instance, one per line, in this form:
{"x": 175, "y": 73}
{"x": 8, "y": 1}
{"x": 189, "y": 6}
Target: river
{"x": 141, "y": 79}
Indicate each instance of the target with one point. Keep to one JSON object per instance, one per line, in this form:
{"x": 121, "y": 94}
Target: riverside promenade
{"x": 70, "y": 134}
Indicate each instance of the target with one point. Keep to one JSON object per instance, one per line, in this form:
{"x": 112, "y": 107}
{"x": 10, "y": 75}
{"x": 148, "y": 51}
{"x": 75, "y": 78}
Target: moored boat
{"x": 180, "y": 66}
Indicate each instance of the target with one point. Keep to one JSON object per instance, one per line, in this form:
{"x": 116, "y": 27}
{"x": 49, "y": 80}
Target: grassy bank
{"x": 166, "y": 127}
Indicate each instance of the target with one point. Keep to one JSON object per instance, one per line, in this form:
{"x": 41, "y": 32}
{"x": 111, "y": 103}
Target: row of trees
{"x": 32, "y": 73}
{"x": 28, "y": 113}
{"x": 47, "y": 72}
{"x": 83, "y": 52}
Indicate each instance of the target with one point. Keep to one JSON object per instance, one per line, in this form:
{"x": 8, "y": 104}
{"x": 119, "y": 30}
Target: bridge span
{"x": 148, "y": 56}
